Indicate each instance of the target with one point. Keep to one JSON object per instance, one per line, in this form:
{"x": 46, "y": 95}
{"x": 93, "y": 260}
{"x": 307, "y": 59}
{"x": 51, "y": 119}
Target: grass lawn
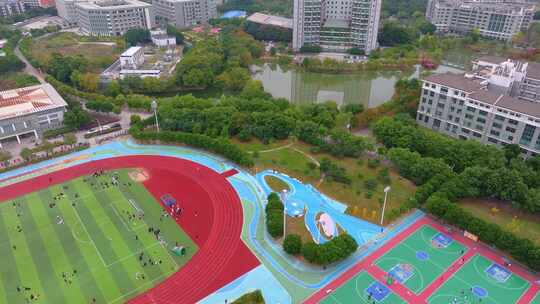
{"x": 276, "y": 184}
{"x": 100, "y": 54}
{"x": 15, "y": 80}
{"x": 523, "y": 224}
{"x": 285, "y": 157}
{"x": 84, "y": 240}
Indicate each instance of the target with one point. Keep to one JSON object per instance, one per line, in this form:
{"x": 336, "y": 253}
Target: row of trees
{"x": 274, "y": 215}
{"x": 447, "y": 170}
{"x": 253, "y": 113}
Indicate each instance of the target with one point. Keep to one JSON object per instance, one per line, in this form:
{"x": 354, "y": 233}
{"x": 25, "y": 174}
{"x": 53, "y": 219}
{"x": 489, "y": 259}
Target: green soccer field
{"x": 425, "y": 271}
{"x": 82, "y": 240}
{"x": 354, "y": 291}
{"x": 473, "y": 274}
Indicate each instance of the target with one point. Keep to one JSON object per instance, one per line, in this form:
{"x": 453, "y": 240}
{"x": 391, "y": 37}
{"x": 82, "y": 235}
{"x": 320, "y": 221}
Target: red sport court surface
{"x": 446, "y": 281}
{"x": 212, "y": 217}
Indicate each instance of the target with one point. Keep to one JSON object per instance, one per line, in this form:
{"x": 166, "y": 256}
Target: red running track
{"x": 212, "y": 217}
{"x": 368, "y": 265}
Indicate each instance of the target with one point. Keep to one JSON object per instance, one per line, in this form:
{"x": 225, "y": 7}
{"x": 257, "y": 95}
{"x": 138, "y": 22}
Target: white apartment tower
{"x": 336, "y": 25}
{"x": 184, "y": 13}
{"x": 499, "y": 19}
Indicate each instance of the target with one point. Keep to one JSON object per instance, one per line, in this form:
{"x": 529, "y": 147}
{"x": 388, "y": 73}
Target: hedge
{"x": 337, "y": 249}
{"x": 221, "y": 146}
{"x": 274, "y": 215}
{"x": 521, "y": 249}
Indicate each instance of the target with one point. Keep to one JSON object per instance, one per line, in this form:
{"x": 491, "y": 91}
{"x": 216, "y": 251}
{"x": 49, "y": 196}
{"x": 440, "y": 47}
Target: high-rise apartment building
{"x": 336, "y": 25}
{"x": 498, "y": 103}
{"x": 499, "y": 19}
{"x": 184, "y": 13}
{"x": 11, "y": 7}
{"x": 113, "y": 17}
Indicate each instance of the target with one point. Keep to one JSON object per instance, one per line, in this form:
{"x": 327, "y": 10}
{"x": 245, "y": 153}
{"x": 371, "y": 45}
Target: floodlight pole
{"x": 386, "y": 190}
{"x": 154, "y": 107}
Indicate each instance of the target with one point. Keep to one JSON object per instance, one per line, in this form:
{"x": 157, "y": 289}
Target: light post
{"x": 386, "y": 190}
{"x": 154, "y": 108}
{"x": 284, "y": 212}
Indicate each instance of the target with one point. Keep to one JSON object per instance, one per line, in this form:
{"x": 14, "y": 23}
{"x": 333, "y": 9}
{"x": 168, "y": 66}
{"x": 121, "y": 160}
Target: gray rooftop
{"x": 456, "y": 81}
{"x": 112, "y": 4}
{"x": 485, "y": 96}
{"x": 521, "y": 106}
{"x": 491, "y": 59}
{"x": 533, "y": 70}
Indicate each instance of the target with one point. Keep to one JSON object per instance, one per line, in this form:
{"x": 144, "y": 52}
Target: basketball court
{"x": 430, "y": 263}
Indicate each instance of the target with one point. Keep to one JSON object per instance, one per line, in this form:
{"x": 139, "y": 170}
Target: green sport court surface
{"x": 86, "y": 244}
{"x": 473, "y": 274}
{"x": 536, "y": 299}
{"x": 354, "y": 291}
{"x": 424, "y": 271}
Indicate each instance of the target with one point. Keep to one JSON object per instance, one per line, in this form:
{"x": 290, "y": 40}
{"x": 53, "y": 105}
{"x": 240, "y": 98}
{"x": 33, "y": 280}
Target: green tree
{"x": 135, "y": 36}
{"x": 394, "y": 34}
{"x": 70, "y": 139}
{"x": 76, "y": 118}
{"x": 292, "y": 244}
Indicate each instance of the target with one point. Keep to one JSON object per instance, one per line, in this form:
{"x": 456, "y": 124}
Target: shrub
{"x": 371, "y": 184}
{"x": 337, "y": 249}
{"x": 373, "y": 163}
{"x": 134, "y": 119}
{"x": 292, "y": 244}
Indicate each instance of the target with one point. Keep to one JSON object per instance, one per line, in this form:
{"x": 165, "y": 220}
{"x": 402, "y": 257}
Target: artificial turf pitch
{"x": 85, "y": 245}
{"x": 424, "y": 271}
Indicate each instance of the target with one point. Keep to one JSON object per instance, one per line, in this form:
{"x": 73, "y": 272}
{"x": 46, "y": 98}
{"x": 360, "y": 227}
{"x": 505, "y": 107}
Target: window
{"x": 469, "y": 116}
{"x": 513, "y": 122}
{"x": 423, "y": 100}
{"x": 481, "y": 120}
{"x": 471, "y": 109}
{"x": 496, "y": 133}
{"x": 431, "y": 94}
{"x": 499, "y": 117}
{"x": 527, "y": 135}
{"x": 420, "y": 116}
{"x": 466, "y": 131}
{"x": 492, "y": 140}
{"x": 483, "y": 113}
{"x": 497, "y": 125}
{"x": 511, "y": 130}
{"x": 476, "y": 134}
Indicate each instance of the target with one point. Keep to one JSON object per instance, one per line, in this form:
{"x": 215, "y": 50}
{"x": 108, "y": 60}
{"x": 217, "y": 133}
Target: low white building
{"x": 161, "y": 39}
{"x": 132, "y": 58}
{"x": 139, "y": 73}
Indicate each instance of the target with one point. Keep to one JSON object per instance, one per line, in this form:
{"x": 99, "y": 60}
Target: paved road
{"x": 29, "y": 69}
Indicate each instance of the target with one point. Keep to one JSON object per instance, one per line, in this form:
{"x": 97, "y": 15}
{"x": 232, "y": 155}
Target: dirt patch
{"x": 297, "y": 225}
{"x": 139, "y": 175}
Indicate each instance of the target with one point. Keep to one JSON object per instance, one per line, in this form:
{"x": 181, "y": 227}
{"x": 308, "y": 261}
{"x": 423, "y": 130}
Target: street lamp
{"x": 154, "y": 108}
{"x": 284, "y": 192}
{"x": 386, "y": 190}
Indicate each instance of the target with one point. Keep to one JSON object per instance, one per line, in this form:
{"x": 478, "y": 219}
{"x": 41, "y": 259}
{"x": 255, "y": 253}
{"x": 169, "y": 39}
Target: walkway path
{"x": 29, "y": 69}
